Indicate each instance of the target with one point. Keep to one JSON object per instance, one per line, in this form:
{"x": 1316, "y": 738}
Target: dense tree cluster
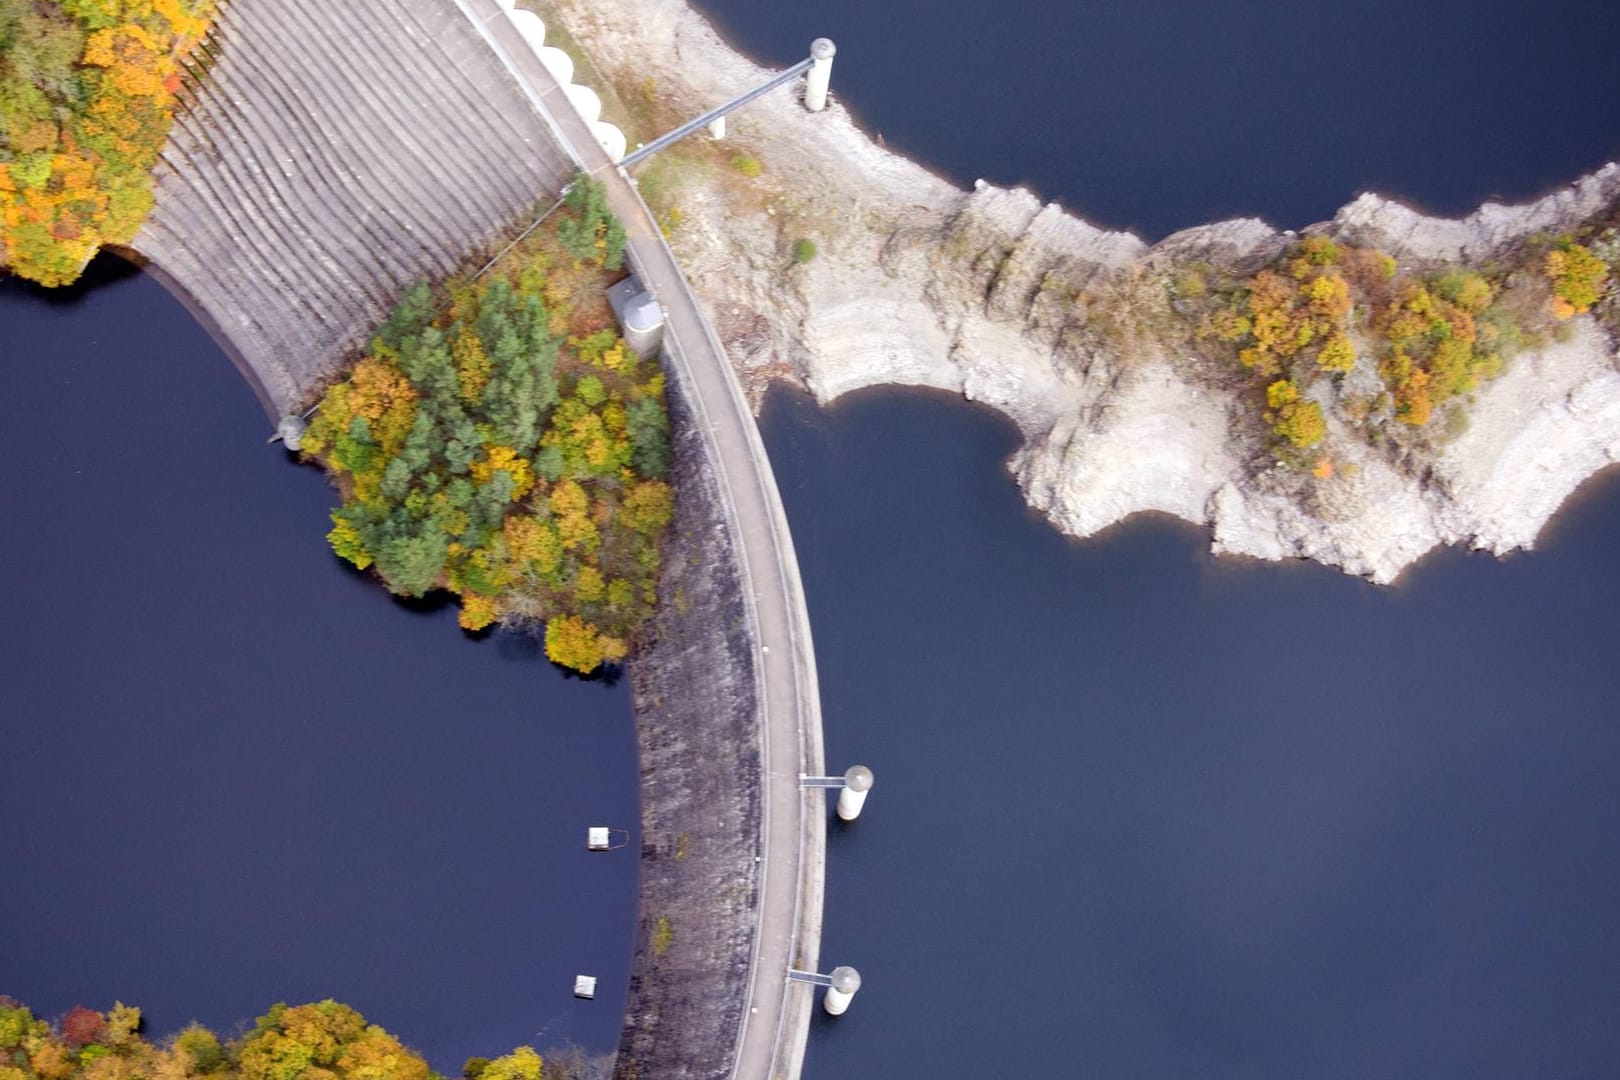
{"x": 1578, "y": 278}
{"x": 320, "y": 1041}
{"x": 1438, "y": 337}
{"x": 1430, "y": 337}
{"x": 86, "y": 98}
{"x": 483, "y": 448}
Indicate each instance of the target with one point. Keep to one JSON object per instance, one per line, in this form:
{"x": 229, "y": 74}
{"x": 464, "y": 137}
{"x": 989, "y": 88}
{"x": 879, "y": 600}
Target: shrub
{"x": 804, "y": 251}
{"x": 82, "y": 1026}
{"x": 1578, "y": 278}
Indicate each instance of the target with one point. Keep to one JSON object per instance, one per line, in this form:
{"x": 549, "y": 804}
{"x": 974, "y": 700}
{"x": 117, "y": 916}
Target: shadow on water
{"x": 608, "y": 675}
{"x": 104, "y": 270}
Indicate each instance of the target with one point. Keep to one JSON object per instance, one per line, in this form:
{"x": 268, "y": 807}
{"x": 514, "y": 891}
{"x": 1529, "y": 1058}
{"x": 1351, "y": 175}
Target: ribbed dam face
{"x": 334, "y": 154}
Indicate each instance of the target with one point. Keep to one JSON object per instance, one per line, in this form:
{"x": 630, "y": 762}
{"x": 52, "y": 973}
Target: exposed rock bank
{"x": 1028, "y": 309}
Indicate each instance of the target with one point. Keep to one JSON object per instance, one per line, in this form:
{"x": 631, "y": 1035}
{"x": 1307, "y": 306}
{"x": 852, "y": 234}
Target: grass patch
{"x": 663, "y": 936}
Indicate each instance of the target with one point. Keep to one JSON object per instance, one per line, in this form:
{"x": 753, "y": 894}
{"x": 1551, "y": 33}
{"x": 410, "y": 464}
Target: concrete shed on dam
{"x": 640, "y": 316}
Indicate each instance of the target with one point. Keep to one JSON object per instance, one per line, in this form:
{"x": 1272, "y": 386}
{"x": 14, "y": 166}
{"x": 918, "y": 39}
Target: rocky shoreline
{"x": 980, "y": 292}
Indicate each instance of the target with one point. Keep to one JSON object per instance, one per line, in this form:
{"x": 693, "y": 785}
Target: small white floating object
{"x": 596, "y": 838}
{"x": 585, "y": 986}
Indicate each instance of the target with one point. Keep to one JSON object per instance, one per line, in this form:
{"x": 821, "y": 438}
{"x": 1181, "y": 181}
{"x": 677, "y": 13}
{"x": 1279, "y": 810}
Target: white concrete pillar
{"x": 585, "y": 101}
{"x": 717, "y": 127}
{"x": 530, "y": 26}
{"x": 845, "y": 981}
{"x": 820, "y": 74}
{"x": 857, "y": 782}
{"x": 610, "y": 138}
{"x": 559, "y": 63}
{"x": 291, "y": 432}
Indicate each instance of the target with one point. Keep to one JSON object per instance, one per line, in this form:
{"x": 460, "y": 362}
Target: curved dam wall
{"x": 334, "y": 154}
{"x": 727, "y": 700}
{"x": 337, "y": 153}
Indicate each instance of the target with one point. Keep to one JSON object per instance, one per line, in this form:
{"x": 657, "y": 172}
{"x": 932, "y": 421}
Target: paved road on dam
{"x": 775, "y": 1024}
{"x": 333, "y": 154}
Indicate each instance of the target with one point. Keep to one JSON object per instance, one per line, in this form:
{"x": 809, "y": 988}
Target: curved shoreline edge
{"x": 919, "y": 283}
{"x": 339, "y": 153}
{"x": 670, "y": 1026}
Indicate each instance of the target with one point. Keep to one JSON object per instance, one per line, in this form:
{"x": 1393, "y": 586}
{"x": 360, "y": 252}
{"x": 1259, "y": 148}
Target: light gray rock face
{"x": 336, "y": 153}
{"x": 1025, "y": 308}
{"x": 1488, "y": 232}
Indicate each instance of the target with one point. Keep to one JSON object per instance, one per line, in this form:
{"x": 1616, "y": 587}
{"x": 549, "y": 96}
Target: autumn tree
{"x": 82, "y": 1026}
{"x": 320, "y": 1041}
{"x": 482, "y": 451}
{"x": 521, "y": 1064}
{"x": 86, "y": 99}
{"x": 1578, "y": 278}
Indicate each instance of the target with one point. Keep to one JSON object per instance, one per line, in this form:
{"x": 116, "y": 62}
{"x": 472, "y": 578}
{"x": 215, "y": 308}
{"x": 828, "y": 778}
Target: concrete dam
{"x": 326, "y": 157}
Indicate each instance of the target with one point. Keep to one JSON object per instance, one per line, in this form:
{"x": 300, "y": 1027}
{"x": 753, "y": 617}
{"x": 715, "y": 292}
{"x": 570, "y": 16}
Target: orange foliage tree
{"x": 482, "y": 451}
{"x": 86, "y": 98}
{"x": 324, "y": 1040}
{"x": 1578, "y": 278}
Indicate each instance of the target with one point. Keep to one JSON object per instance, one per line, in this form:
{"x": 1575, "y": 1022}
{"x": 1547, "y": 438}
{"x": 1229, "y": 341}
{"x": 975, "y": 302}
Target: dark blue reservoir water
{"x": 232, "y": 771}
{"x": 1161, "y": 114}
{"x": 1144, "y": 813}
{"x": 1138, "y": 813}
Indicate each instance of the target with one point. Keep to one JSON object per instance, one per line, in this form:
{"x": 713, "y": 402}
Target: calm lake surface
{"x": 1161, "y": 114}
{"x": 1139, "y": 814}
{"x": 233, "y": 772}
{"x": 1144, "y": 814}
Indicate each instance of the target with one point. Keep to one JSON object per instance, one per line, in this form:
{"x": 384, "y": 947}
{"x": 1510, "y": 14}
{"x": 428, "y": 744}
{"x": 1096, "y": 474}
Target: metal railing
{"x": 714, "y": 114}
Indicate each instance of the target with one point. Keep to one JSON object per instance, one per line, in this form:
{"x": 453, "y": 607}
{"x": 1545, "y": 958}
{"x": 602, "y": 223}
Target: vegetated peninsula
{"x": 1357, "y": 393}
{"x": 87, "y": 91}
{"x": 500, "y": 441}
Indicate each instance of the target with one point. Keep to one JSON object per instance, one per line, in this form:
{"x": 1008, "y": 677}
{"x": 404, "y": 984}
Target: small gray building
{"x": 640, "y": 317}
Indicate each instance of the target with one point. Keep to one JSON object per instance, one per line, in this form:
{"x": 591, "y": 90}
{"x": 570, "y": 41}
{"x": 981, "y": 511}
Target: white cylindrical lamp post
{"x": 857, "y": 782}
{"x": 845, "y": 981}
{"x": 822, "y": 51}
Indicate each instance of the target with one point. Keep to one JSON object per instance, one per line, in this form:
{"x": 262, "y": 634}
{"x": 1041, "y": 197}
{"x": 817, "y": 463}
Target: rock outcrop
{"x": 1021, "y": 306}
